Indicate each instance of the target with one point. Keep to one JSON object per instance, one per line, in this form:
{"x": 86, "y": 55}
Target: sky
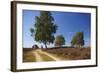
{"x": 69, "y": 23}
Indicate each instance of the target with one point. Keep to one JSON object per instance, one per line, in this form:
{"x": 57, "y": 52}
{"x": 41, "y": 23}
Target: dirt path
{"x": 39, "y": 57}
{"x": 49, "y": 55}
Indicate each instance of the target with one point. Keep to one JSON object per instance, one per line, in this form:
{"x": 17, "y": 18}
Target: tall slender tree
{"x": 44, "y": 28}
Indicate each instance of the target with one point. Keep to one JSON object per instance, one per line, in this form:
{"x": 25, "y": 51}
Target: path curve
{"x": 49, "y": 55}
{"x": 39, "y": 57}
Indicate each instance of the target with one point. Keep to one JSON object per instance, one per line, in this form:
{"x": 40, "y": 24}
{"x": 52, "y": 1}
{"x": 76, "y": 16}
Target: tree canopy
{"x": 78, "y": 39}
{"x": 44, "y": 28}
{"x": 60, "y": 40}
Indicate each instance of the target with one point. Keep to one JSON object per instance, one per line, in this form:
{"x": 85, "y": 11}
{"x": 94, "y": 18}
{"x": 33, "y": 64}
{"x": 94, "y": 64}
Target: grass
{"x": 71, "y": 53}
{"x": 28, "y": 56}
{"x": 62, "y": 53}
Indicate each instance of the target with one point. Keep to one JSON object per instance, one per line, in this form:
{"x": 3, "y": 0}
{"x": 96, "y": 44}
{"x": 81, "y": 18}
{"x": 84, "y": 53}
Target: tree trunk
{"x": 45, "y": 45}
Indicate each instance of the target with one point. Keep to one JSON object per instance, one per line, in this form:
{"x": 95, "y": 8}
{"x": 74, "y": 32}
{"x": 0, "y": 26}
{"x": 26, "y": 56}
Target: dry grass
{"x": 62, "y": 53}
{"x": 28, "y": 56}
{"x": 71, "y": 53}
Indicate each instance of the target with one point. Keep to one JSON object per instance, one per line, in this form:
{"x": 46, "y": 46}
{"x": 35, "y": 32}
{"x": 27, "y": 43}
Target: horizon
{"x": 68, "y": 24}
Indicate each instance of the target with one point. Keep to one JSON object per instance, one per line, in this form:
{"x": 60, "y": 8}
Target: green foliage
{"x": 59, "y": 41}
{"x": 78, "y": 39}
{"x": 44, "y": 28}
{"x": 32, "y": 31}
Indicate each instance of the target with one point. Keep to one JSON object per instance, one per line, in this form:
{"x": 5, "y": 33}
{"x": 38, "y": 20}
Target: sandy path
{"x": 49, "y": 55}
{"x": 37, "y": 56}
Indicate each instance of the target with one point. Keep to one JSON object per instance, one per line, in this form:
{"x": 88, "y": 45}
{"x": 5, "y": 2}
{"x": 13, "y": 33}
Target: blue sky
{"x": 68, "y": 24}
